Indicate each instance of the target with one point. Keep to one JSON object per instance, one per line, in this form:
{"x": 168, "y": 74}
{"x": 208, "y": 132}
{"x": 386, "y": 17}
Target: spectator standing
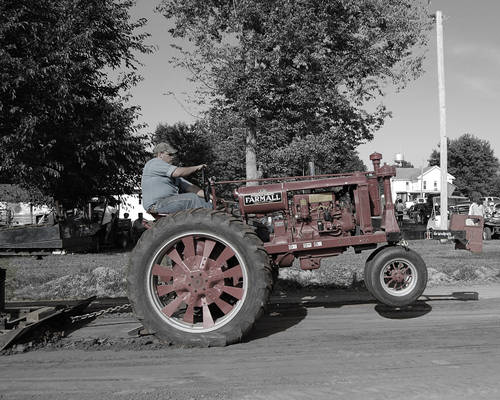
{"x": 400, "y": 208}
{"x": 476, "y": 208}
{"x": 138, "y": 227}
{"x": 108, "y": 217}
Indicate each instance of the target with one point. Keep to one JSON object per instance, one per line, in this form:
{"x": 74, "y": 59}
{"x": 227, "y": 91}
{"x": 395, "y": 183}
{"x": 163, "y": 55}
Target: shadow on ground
{"x": 278, "y": 318}
{"x": 290, "y": 308}
{"x": 285, "y": 310}
{"x": 415, "y": 310}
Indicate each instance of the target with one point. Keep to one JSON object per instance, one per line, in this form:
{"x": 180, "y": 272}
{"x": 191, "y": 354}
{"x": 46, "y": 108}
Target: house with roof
{"x": 16, "y": 208}
{"x": 412, "y": 183}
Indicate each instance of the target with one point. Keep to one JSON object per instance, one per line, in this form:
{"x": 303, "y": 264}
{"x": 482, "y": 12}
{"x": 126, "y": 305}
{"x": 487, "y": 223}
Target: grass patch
{"x": 10, "y": 276}
{"x": 67, "y": 276}
{"x": 445, "y": 266}
{"x": 465, "y": 273}
{"x": 84, "y": 275}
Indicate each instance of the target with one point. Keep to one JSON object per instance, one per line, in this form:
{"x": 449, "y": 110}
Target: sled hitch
{"x": 465, "y": 230}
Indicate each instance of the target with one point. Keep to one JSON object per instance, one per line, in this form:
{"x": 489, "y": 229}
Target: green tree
{"x": 66, "y": 128}
{"x": 295, "y": 70}
{"x": 227, "y": 140}
{"x": 328, "y": 156}
{"x": 406, "y": 164}
{"x": 473, "y": 164}
{"x": 495, "y": 188}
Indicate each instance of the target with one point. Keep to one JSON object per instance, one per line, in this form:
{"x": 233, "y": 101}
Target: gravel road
{"x": 334, "y": 347}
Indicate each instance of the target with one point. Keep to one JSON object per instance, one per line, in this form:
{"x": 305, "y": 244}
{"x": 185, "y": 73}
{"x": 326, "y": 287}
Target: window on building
{"x": 425, "y": 185}
{"x": 407, "y": 186}
{"x": 435, "y": 185}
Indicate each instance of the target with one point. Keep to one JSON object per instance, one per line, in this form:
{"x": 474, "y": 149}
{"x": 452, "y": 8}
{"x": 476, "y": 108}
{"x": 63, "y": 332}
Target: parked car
{"x": 490, "y": 200}
{"x": 462, "y": 208}
{"x": 411, "y": 203}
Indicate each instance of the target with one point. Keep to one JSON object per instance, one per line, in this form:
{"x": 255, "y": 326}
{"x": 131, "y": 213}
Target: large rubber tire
{"x": 487, "y": 235}
{"x": 199, "y": 278}
{"x": 396, "y": 276}
{"x": 368, "y": 268}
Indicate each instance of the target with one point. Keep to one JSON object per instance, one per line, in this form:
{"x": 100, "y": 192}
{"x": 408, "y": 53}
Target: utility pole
{"x": 422, "y": 180}
{"x": 442, "y": 123}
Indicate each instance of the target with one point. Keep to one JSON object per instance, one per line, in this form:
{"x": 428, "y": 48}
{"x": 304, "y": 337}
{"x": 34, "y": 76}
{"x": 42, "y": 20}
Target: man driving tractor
{"x": 164, "y": 187}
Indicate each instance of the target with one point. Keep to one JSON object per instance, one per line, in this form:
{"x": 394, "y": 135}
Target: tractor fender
{"x": 378, "y": 250}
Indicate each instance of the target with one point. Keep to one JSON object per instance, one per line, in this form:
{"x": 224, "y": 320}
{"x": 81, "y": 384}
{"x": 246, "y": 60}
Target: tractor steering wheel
{"x": 206, "y": 184}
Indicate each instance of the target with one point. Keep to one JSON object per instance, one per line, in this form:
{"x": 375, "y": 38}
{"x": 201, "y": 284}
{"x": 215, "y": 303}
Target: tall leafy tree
{"x": 66, "y": 127}
{"x": 295, "y": 70}
{"x": 495, "y": 188}
{"x": 406, "y": 164}
{"x": 472, "y": 162}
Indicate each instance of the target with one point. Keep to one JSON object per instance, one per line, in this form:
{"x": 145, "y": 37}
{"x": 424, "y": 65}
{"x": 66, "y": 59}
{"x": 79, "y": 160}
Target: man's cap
{"x": 164, "y": 147}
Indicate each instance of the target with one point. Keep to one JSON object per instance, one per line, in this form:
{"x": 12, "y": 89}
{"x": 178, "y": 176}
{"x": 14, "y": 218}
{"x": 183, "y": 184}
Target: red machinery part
{"x": 262, "y": 199}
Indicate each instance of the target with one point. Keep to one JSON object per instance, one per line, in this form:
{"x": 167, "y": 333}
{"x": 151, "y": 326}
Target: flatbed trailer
{"x": 44, "y": 237}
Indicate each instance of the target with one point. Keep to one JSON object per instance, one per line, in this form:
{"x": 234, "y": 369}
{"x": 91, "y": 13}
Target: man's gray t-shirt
{"x": 158, "y": 183}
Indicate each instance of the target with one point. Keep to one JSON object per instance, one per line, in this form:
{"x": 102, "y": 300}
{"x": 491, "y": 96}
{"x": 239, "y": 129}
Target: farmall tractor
{"x": 203, "y": 277}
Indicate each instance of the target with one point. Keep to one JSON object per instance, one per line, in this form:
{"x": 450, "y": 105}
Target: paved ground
{"x": 339, "y": 345}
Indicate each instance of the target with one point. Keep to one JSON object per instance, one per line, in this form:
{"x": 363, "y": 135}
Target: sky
{"x": 472, "y": 76}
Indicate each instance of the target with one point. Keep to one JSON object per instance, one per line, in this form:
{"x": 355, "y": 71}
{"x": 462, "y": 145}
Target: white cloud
{"x": 475, "y": 67}
{"x": 485, "y": 52}
{"x": 480, "y": 85}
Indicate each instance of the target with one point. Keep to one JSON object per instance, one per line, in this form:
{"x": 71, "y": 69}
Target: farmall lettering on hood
{"x": 254, "y": 199}
{"x": 262, "y": 198}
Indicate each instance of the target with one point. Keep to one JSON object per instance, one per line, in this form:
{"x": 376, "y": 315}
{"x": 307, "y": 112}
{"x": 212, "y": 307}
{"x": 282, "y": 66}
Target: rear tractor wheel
{"x": 396, "y": 276}
{"x": 199, "y": 278}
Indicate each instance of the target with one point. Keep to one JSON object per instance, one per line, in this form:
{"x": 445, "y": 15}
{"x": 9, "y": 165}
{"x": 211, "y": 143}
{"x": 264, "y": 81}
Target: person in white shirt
{"x": 109, "y": 213}
{"x": 476, "y": 208}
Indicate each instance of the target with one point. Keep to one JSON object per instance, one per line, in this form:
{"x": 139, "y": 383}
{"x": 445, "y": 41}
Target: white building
{"x": 412, "y": 183}
{"x": 15, "y": 208}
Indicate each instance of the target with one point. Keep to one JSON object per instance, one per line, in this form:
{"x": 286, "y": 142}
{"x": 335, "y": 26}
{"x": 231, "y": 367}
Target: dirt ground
{"x": 85, "y": 275}
{"x": 322, "y": 337}
{"x": 441, "y": 349}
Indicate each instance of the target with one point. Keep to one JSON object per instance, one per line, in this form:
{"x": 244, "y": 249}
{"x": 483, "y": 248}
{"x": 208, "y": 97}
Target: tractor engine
{"x": 299, "y": 216}
{"x": 318, "y": 214}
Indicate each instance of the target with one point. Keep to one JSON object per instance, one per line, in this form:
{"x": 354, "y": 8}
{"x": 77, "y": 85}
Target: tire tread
{"x": 234, "y": 330}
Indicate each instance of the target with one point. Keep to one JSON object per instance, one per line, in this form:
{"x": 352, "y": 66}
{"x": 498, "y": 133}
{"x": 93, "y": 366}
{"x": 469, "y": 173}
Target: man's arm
{"x": 186, "y": 171}
{"x": 189, "y": 187}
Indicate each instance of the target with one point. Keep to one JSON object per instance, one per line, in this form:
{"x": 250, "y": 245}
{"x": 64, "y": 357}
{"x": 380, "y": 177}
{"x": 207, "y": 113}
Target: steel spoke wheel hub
{"x": 197, "y": 282}
{"x": 398, "y": 277}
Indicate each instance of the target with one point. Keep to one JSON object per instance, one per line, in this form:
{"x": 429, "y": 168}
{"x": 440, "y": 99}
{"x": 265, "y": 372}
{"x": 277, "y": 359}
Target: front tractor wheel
{"x": 396, "y": 276}
{"x": 200, "y": 278}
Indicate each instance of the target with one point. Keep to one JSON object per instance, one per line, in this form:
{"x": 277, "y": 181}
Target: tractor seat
{"x": 148, "y": 224}
{"x": 157, "y": 216}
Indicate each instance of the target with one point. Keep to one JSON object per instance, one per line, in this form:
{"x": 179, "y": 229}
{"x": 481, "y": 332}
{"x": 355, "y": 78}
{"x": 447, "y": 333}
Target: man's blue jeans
{"x": 183, "y": 201}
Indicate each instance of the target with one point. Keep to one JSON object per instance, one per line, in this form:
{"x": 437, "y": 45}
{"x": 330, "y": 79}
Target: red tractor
{"x": 203, "y": 277}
